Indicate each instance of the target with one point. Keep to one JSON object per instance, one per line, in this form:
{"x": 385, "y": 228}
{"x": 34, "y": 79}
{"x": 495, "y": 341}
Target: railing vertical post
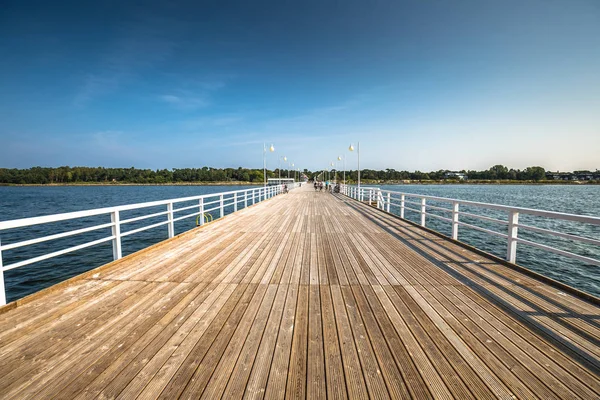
{"x": 221, "y": 207}
{"x": 379, "y": 199}
{"x": 201, "y": 202}
{"x": 389, "y": 201}
{"x": 171, "y": 224}
{"x": 245, "y": 198}
{"x": 511, "y": 250}
{"x": 455, "y": 220}
{"x": 116, "y": 232}
{"x": 402, "y": 198}
{"x": 235, "y": 201}
{"x": 2, "y": 288}
{"x": 423, "y": 210}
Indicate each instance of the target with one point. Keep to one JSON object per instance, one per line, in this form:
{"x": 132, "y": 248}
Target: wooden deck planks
{"x": 307, "y": 295}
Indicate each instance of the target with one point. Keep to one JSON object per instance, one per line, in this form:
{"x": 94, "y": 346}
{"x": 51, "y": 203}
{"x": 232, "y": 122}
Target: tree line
{"x": 497, "y": 172}
{"x": 66, "y": 175}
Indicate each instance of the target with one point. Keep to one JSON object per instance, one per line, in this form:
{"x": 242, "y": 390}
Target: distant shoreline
{"x": 364, "y": 182}
{"x": 136, "y": 184}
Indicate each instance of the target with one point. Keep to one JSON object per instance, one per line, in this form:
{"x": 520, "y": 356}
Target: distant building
{"x": 454, "y": 175}
{"x": 573, "y": 176}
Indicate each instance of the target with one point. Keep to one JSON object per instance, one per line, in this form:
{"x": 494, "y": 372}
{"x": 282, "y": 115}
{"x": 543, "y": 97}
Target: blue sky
{"x": 423, "y": 85}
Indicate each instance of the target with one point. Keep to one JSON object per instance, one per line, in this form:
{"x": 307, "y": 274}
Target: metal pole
{"x": 402, "y": 198}
{"x": 358, "y": 153}
{"x": 116, "y": 232}
{"x": 202, "y": 211}
{"x": 513, "y": 222}
{"x": 2, "y": 289}
{"x": 171, "y": 224}
{"x": 455, "y": 221}
{"x": 265, "y": 163}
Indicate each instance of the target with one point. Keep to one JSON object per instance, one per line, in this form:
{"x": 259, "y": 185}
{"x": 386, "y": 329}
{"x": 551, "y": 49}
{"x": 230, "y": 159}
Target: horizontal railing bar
{"x": 212, "y": 209}
{"x": 19, "y": 223}
{"x": 141, "y": 217}
{"x": 207, "y": 203}
{"x": 540, "y": 213}
{"x": 438, "y": 217}
{"x": 510, "y": 209}
{"x": 412, "y": 209}
{"x": 491, "y": 232}
{"x": 144, "y": 228}
{"x": 186, "y": 208}
{"x": 499, "y": 221}
{"x": 56, "y": 253}
{"x": 412, "y": 202}
{"x": 186, "y": 216}
{"x": 438, "y": 208}
{"x": 565, "y": 253}
{"x": 559, "y": 234}
{"x": 53, "y": 237}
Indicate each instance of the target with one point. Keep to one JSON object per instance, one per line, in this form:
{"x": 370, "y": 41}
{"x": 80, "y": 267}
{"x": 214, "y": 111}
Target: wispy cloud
{"x": 183, "y": 102}
{"x": 197, "y": 94}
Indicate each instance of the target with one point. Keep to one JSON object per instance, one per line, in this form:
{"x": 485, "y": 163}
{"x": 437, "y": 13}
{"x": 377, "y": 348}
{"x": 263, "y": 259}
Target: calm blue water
{"x": 584, "y": 200}
{"x": 22, "y": 202}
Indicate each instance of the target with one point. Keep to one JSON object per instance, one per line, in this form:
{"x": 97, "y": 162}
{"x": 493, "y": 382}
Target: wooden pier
{"x": 306, "y": 295}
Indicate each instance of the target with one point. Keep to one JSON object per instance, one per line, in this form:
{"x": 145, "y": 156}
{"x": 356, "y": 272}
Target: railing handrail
{"x": 222, "y": 199}
{"x": 530, "y": 211}
{"x": 44, "y": 219}
{"x": 385, "y": 200}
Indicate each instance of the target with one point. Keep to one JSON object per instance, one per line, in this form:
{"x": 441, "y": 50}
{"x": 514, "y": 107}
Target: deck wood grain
{"x": 306, "y": 295}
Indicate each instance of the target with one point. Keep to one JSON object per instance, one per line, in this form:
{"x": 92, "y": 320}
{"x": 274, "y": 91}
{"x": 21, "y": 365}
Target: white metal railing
{"x": 385, "y": 199}
{"x": 206, "y": 203}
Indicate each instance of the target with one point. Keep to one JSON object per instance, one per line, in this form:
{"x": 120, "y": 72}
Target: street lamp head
{"x": 292, "y": 164}
{"x": 271, "y": 149}
{"x": 284, "y": 158}
{"x": 331, "y": 164}
{"x": 339, "y": 158}
{"x": 351, "y": 147}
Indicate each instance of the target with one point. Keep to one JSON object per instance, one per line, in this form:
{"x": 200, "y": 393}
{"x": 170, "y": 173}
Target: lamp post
{"x": 279, "y": 167}
{"x": 271, "y": 149}
{"x": 335, "y": 173}
{"x": 351, "y": 148}
{"x": 340, "y": 159}
{"x": 292, "y": 164}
